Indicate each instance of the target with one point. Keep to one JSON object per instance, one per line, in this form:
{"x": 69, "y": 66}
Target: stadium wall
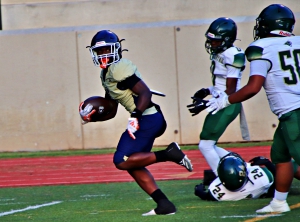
{"x": 46, "y": 70}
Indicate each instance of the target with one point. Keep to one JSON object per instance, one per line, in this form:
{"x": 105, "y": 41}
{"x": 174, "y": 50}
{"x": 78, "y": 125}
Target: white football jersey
{"x": 229, "y": 63}
{"x": 282, "y": 84}
{"x": 259, "y": 182}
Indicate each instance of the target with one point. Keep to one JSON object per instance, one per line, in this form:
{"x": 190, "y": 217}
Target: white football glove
{"x": 216, "y": 93}
{"x": 132, "y": 126}
{"x": 216, "y": 104}
{"x": 86, "y": 113}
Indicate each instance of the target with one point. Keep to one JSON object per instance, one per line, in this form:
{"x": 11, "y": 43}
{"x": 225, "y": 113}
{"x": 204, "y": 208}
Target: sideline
{"x": 29, "y": 208}
{"x": 265, "y": 216}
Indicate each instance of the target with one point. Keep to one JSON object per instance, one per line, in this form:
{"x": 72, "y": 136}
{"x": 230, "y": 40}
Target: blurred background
{"x": 46, "y": 70}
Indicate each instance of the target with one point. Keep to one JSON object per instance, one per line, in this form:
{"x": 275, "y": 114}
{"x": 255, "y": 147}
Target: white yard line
{"x": 29, "y": 208}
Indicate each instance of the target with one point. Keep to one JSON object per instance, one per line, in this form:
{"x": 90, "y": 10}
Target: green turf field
{"x": 114, "y": 202}
{"x": 125, "y": 202}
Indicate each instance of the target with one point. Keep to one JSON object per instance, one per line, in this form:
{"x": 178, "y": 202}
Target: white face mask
{"x": 106, "y": 59}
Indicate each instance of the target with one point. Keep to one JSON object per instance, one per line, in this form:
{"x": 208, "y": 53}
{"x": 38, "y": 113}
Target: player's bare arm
{"x": 144, "y": 93}
{"x": 231, "y": 84}
{"x": 253, "y": 86}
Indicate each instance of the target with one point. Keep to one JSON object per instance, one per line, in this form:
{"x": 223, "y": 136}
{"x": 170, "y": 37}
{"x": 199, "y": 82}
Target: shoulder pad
{"x": 123, "y": 69}
{"x": 239, "y": 60}
{"x": 254, "y": 52}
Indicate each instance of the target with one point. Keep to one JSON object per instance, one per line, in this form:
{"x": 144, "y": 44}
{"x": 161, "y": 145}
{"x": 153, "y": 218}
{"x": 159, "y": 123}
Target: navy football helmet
{"x": 112, "y": 44}
{"x": 275, "y": 19}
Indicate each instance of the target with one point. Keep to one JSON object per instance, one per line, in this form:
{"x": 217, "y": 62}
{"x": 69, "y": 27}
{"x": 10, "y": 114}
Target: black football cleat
{"x": 164, "y": 207}
{"x": 175, "y": 154}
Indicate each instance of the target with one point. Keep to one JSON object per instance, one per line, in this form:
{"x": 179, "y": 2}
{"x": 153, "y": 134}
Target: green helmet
{"x": 223, "y": 29}
{"x": 275, "y": 19}
{"x": 232, "y": 171}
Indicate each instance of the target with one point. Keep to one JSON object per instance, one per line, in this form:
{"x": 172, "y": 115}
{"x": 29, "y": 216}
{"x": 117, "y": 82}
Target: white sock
{"x": 220, "y": 151}
{"x": 207, "y": 148}
{"x": 280, "y": 195}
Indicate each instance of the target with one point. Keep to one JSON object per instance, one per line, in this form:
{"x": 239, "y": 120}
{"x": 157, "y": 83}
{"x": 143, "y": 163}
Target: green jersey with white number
{"x": 280, "y": 64}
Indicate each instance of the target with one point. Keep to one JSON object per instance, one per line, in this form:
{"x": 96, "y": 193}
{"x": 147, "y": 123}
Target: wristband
{"x": 227, "y": 101}
{"x": 136, "y": 113}
{"x": 211, "y": 89}
{"x": 207, "y": 92}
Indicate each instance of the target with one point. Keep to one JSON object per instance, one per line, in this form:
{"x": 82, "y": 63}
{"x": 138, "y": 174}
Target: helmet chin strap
{"x": 103, "y": 62}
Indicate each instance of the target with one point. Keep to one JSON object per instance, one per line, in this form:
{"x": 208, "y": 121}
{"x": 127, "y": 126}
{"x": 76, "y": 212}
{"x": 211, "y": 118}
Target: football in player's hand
{"x": 105, "y": 108}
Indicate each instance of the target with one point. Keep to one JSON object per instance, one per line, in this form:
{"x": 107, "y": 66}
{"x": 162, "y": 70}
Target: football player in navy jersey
{"x": 274, "y": 59}
{"x": 123, "y": 83}
{"x": 227, "y": 64}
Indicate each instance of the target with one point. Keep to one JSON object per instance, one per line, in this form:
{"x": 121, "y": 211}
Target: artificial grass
{"x": 122, "y": 202}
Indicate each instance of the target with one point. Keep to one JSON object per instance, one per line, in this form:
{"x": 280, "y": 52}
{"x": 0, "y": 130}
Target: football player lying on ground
{"x": 123, "y": 83}
{"x": 241, "y": 180}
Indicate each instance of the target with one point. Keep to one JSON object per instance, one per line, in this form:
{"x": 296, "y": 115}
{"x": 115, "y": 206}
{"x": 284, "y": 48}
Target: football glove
{"x": 197, "y": 106}
{"x": 200, "y": 191}
{"x": 216, "y": 104}
{"x": 86, "y": 113}
{"x": 259, "y": 160}
{"x": 216, "y": 93}
{"x": 202, "y": 93}
{"x": 132, "y": 126}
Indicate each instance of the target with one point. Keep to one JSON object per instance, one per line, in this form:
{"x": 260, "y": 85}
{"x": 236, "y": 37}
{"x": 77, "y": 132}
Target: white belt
{"x": 150, "y": 111}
